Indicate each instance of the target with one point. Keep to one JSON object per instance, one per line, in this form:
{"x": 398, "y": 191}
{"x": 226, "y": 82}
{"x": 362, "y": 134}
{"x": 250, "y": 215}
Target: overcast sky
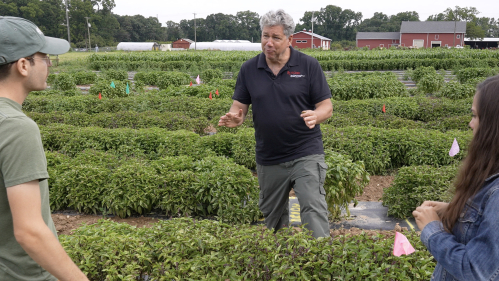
{"x": 177, "y": 10}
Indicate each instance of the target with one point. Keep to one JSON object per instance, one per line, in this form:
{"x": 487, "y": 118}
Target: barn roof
{"x": 184, "y": 39}
{"x": 314, "y": 34}
{"x": 137, "y": 46}
{"x": 433, "y": 27}
{"x": 378, "y": 35}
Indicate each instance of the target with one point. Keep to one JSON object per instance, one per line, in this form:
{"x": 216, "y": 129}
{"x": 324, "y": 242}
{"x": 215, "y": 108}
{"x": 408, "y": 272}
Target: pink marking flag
{"x": 210, "y": 96}
{"x": 198, "y": 80}
{"x": 402, "y": 246}
{"x": 454, "y": 148}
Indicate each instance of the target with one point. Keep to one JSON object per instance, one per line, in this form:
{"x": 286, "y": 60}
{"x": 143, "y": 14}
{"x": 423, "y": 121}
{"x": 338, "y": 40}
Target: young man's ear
{"x": 21, "y": 67}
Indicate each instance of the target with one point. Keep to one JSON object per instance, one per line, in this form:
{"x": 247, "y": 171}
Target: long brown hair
{"x": 482, "y": 160}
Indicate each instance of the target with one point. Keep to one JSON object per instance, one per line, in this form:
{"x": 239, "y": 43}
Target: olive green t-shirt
{"x": 22, "y": 159}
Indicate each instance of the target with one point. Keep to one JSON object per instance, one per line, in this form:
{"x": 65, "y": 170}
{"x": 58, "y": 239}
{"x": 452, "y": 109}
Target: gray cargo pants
{"x": 306, "y": 176}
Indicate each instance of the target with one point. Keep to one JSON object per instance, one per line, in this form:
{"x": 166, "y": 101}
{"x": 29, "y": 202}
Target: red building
{"x": 183, "y": 43}
{"x": 305, "y": 39}
{"x": 418, "y": 34}
{"x": 377, "y": 39}
{"x": 429, "y": 34}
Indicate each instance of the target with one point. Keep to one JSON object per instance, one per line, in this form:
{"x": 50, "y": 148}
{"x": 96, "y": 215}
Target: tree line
{"x": 107, "y": 28}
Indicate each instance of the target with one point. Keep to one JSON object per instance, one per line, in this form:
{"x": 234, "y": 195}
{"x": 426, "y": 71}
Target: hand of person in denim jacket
{"x": 471, "y": 252}
{"x": 425, "y": 215}
{"x": 439, "y": 207}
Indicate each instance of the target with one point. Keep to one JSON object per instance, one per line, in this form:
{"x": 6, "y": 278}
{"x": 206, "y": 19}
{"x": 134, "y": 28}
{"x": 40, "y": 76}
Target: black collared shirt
{"x": 277, "y": 102}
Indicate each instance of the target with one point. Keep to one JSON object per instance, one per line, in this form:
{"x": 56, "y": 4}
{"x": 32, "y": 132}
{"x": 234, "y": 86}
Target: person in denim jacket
{"x": 463, "y": 235}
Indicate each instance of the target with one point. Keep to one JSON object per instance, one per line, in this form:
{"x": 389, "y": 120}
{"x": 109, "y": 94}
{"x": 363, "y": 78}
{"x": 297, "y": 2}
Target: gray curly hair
{"x": 279, "y": 17}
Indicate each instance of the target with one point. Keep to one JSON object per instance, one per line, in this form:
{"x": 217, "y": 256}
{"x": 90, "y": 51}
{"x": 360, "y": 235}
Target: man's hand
{"x": 425, "y": 215}
{"x": 231, "y": 119}
{"x": 310, "y": 118}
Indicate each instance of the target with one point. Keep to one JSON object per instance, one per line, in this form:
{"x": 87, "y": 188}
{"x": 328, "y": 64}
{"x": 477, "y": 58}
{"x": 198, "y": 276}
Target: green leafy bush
{"x": 466, "y": 74}
{"x": 107, "y": 92}
{"x": 209, "y": 74}
{"x": 124, "y": 119}
{"x": 366, "y": 86}
{"x": 134, "y": 189}
{"x": 414, "y": 108}
{"x": 112, "y": 74}
{"x": 430, "y": 83}
{"x": 85, "y": 77}
{"x": 422, "y": 71}
{"x": 95, "y": 181}
{"x": 193, "y": 108}
{"x": 208, "y": 250}
{"x": 64, "y": 82}
{"x": 413, "y": 185}
{"x": 167, "y": 79}
{"x": 154, "y": 142}
{"x": 51, "y": 78}
{"x": 456, "y": 90}
{"x": 201, "y": 91}
{"x": 383, "y": 150}
{"x": 345, "y": 179}
{"x": 217, "y": 82}
{"x": 163, "y": 79}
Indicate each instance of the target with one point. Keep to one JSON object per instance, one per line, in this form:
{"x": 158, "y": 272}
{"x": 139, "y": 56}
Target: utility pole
{"x": 454, "y": 43}
{"x": 195, "y": 41}
{"x": 67, "y": 22}
{"x": 88, "y": 29}
{"x": 312, "y": 45}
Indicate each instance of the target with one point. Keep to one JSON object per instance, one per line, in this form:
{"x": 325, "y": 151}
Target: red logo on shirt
{"x": 295, "y": 74}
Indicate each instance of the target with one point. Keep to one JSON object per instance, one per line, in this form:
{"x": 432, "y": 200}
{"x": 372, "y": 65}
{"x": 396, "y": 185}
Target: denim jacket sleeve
{"x": 479, "y": 258}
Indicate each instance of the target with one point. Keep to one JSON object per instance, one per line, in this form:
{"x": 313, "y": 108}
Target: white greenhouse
{"x": 138, "y": 46}
{"x": 226, "y": 46}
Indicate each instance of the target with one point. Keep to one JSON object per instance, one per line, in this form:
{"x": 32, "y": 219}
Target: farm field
{"x": 140, "y": 142}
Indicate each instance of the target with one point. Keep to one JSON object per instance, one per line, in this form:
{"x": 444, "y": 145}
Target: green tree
{"x": 173, "y": 31}
{"x": 475, "y": 27}
{"x": 248, "y": 26}
{"x": 333, "y": 22}
{"x": 382, "y": 23}
{"x": 221, "y": 26}
{"x": 474, "y": 31}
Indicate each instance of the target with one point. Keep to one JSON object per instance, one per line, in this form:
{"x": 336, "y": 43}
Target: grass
{"x": 70, "y": 62}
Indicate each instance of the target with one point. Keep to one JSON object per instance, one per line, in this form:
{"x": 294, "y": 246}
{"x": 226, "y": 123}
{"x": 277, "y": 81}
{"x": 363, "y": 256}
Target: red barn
{"x": 377, "y": 39}
{"x": 305, "y": 39}
{"x": 183, "y": 43}
{"x": 430, "y": 34}
{"x": 418, "y": 34}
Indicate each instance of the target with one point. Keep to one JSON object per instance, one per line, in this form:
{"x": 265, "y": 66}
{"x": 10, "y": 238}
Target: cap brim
{"x": 55, "y": 46}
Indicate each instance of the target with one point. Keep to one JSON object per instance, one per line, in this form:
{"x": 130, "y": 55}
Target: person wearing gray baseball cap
{"x": 29, "y": 248}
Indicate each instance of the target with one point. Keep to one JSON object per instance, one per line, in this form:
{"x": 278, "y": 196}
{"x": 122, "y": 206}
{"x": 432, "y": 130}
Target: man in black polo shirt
{"x": 290, "y": 98}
